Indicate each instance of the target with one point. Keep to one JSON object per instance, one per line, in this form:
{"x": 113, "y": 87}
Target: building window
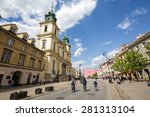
{"x": 10, "y": 42}
{"x": 33, "y": 52}
{"x": 40, "y": 55}
{"x": 25, "y": 37}
{"x": 21, "y": 60}
{"x": 39, "y": 64}
{"x": 24, "y": 48}
{"x": 137, "y": 47}
{"x": 44, "y": 44}
{"x": 13, "y": 30}
{"x": 53, "y": 70}
{"x": 6, "y": 55}
{"x": 144, "y": 44}
{"x": 54, "y": 46}
{"x": 44, "y": 66}
{"x": 45, "y": 28}
{"x": 58, "y": 50}
{"x": 32, "y": 61}
{"x": 55, "y": 32}
{"x": 63, "y": 54}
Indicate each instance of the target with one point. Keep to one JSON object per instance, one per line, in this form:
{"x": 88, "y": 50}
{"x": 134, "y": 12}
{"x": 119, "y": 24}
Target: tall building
{"x": 20, "y": 60}
{"x": 140, "y": 45}
{"x": 57, "y": 51}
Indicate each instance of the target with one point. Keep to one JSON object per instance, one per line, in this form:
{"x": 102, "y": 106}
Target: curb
{"x": 123, "y": 95}
{"x": 43, "y": 93}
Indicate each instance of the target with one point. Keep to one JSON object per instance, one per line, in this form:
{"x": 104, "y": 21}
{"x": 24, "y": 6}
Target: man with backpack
{"x": 95, "y": 84}
{"x": 73, "y": 82}
{"x": 84, "y": 82}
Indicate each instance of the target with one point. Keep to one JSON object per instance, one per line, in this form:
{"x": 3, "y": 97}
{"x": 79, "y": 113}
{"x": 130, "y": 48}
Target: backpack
{"x": 95, "y": 83}
{"x": 73, "y": 83}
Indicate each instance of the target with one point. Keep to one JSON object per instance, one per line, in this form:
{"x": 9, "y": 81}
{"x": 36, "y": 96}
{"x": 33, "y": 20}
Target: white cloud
{"x": 125, "y": 24}
{"x": 77, "y": 40}
{"x": 70, "y": 14}
{"x": 79, "y": 47}
{"x": 96, "y": 61}
{"x": 101, "y": 59}
{"x": 106, "y": 43}
{"x": 79, "y": 51}
{"x": 139, "y": 11}
{"x": 77, "y": 63}
{"x": 30, "y": 14}
{"x": 131, "y": 19}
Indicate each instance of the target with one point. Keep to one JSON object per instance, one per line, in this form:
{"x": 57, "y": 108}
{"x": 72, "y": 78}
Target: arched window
{"x": 45, "y": 29}
{"x": 44, "y": 44}
{"x": 53, "y": 64}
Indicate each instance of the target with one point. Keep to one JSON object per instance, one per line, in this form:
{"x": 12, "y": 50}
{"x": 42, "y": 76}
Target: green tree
{"x": 135, "y": 61}
{"x": 147, "y": 46}
{"x": 94, "y": 75}
{"x": 89, "y": 76}
{"x": 120, "y": 65}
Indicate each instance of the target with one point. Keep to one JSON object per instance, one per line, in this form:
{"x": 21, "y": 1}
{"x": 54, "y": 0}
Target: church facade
{"x": 58, "y": 63}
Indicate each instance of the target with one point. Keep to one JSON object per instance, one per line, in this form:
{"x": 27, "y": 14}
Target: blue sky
{"x": 93, "y": 26}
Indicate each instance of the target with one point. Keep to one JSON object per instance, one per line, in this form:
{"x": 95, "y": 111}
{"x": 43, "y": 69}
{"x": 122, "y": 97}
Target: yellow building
{"x": 73, "y": 72}
{"x": 20, "y": 60}
{"x": 57, "y": 52}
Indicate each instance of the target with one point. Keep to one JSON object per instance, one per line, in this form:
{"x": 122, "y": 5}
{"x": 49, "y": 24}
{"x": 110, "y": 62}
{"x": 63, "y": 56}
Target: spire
{"x": 52, "y": 8}
{"x": 51, "y": 15}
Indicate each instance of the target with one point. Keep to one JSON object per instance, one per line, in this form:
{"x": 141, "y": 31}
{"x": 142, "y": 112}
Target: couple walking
{"x": 73, "y": 83}
{"x": 84, "y": 83}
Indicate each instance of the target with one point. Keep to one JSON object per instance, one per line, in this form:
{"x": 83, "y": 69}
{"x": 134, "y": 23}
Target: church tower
{"x": 57, "y": 51}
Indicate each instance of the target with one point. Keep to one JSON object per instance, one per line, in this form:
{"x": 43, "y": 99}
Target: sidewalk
{"x": 112, "y": 91}
{"x": 134, "y": 90}
{"x": 5, "y": 93}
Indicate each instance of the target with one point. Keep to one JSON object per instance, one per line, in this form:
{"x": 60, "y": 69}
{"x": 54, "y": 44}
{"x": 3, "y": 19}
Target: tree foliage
{"x": 94, "y": 75}
{"x": 135, "y": 61}
{"x": 120, "y": 65}
{"x": 132, "y": 61}
{"x": 147, "y": 46}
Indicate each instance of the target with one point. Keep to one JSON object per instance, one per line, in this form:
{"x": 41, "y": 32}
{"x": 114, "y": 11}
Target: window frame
{"x": 10, "y": 42}
{"x": 21, "y": 60}
{"x": 6, "y": 58}
{"x": 32, "y": 62}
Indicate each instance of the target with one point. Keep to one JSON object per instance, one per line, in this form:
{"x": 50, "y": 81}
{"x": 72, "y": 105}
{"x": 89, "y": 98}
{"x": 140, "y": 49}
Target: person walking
{"x": 84, "y": 82}
{"x": 95, "y": 84}
{"x": 73, "y": 83}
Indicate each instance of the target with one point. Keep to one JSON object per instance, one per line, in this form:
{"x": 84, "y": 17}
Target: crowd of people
{"x": 118, "y": 78}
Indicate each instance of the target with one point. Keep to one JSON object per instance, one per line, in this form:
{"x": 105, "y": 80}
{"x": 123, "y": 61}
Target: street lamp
{"x": 107, "y": 61}
{"x": 80, "y": 70}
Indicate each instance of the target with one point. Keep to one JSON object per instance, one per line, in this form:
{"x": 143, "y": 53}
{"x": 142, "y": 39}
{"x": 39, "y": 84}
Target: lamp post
{"x": 107, "y": 61}
{"x": 80, "y": 70}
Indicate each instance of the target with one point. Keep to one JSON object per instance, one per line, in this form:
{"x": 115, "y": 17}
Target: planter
{"x": 38, "y": 91}
{"x": 18, "y": 95}
{"x": 50, "y": 88}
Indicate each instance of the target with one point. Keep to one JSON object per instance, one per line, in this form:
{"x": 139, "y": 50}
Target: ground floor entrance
{"x": 1, "y": 78}
{"x": 16, "y": 77}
